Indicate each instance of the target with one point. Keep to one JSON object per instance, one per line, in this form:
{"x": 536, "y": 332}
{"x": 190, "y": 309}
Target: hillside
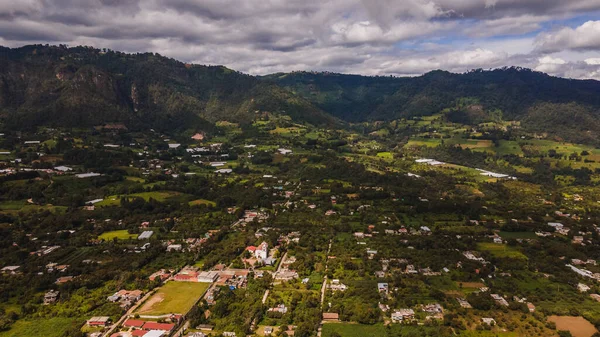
{"x": 83, "y": 86}
{"x": 359, "y": 98}
{"x": 59, "y": 86}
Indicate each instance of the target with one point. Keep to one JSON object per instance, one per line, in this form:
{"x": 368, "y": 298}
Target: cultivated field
{"x": 578, "y": 326}
{"x": 173, "y": 297}
{"x": 119, "y": 234}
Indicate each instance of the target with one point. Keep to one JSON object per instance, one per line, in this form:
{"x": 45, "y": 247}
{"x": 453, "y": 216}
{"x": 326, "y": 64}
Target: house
{"x": 382, "y": 287}
{"x": 223, "y": 171}
{"x": 531, "y": 307}
{"x": 384, "y": 307}
{"x": 175, "y": 247}
{"x": 337, "y": 286}
{"x": 63, "y": 168}
{"x": 229, "y": 334}
{"x": 161, "y": 275}
{"x": 10, "y": 270}
{"x": 595, "y": 296}
{"x": 196, "y": 334}
{"x": 331, "y": 316}
{"x": 463, "y": 303}
{"x": 51, "y": 297}
{"x": 145, "y": 235}
{"x": 98, "y": 321}
{"x": 500, "y": 300}
{"x": 154, "y": 333}
{"x": 488, "y": 321}
{"x": 582, "y": 287}
{"x": 64, "y": 279}
{"x": 134, "y": 323}
{"x": 154, "y": 326}
{"x": 286, "y": 275}
{"x": 208, "y": 276}
{"x": 281, "y": 308}
{"x": 403, "y": 315}
{"x": 433, "y": 308}
{"x": 268, "y": 330}
{"x": 205, "y": 327}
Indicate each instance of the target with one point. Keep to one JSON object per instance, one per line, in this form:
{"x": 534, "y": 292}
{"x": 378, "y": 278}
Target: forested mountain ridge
{"x": 513, "y": 90}
{"x": 82, "y": 86}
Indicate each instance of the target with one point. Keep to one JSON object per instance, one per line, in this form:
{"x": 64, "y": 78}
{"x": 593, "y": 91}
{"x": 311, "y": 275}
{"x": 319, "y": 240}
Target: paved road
{"x": 324, "y": 286}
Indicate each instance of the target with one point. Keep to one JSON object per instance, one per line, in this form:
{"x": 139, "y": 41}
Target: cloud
{"x": 379, "y": 37}
{"x": 584, "y": 37}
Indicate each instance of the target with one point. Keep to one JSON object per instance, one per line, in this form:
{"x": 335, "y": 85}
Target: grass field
{"x": 51, "y": 327}
{"x": 429, "y": 142}
{"x": 114, "y": 200}
{"x": 379, "y": 330}
{"x": 202, "y": 202}
{"x": 501, "y": 251}
{"x": 15, "y": 206}
{"x": 385, "y": 155}
{"x": 173, "y": 297}
{"x": 120, "y": 235}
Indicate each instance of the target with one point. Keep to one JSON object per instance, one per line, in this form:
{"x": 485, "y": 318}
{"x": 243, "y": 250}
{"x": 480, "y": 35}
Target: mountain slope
{"x": 513, "y": 90}
{"x": 47, "y": 85}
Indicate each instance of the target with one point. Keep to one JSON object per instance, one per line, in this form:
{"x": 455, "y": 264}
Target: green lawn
{"x": 51, "y": 327}
{"x": 120, "y": 235}
{"x": 385, "y": 155}
{"x": 114, "y": 200}
{"x": 173, "y": 297}
{"x": 202, "y": 202}
{"x": 501, "y": 251}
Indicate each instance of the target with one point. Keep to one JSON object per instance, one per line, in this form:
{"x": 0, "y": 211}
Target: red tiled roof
{"x": 184, "y": 277}
{"x": 250, "y": 248}
{"x": 138, "y": 333}
{"x": 158, "y": 326}
{"x": 136, "y": 323}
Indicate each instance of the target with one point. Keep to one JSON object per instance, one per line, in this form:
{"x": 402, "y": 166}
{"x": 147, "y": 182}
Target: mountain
{"x": 83, "y": 86}
{"x": 359, "y": 98}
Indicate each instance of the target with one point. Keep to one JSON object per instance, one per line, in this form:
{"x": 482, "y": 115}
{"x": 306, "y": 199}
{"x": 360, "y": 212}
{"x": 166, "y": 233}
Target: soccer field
{"x": 173, "y": 298}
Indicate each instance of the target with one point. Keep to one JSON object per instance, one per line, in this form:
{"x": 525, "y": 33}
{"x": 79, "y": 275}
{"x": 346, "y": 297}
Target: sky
{"x": 369, "y": 37}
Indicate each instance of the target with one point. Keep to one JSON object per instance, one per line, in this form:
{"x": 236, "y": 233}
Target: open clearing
{"x": 501, "y": 251}
{"x": 202, "y": 202}
{"x": 51, "y": 327}
{"x": 115, "y": 200}
{"x": 578, "y": 326}
{"x": 120, "y": 235}
{"x": 173, "y": 297}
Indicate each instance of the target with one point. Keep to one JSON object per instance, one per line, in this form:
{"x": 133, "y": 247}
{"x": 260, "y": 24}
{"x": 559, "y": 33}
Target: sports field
{"x": 173, "y": 298}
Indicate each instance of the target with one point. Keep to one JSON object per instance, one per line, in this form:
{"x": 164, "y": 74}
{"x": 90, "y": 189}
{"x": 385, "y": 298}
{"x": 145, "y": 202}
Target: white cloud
{"x": 584, "y": 37}
{"x": 374, "y": 37}
{"x": 593, "y": 61}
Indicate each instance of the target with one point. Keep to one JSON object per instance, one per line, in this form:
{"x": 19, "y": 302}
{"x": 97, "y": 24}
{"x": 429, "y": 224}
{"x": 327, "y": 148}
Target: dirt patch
{"x": 577, "y": 325}
{"x": 147, "y": 307}
{"x": 471, "y": 284}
